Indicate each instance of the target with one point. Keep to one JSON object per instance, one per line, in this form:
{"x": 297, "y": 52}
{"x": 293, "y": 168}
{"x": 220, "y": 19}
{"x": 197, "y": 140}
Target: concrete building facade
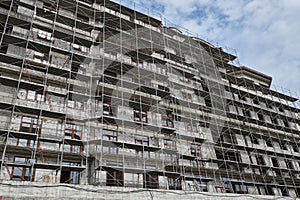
{"x": 98, "y": 97}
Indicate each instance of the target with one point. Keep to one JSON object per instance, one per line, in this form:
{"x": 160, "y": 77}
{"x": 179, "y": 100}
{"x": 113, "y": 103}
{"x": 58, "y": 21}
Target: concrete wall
{"x": 42, "y": 191}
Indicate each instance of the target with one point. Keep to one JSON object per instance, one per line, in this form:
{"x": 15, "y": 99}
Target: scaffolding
{"x": 96, "y": 93}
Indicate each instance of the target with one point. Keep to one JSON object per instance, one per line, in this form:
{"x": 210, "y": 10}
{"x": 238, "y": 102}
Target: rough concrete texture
{"x": 33, "y": 191}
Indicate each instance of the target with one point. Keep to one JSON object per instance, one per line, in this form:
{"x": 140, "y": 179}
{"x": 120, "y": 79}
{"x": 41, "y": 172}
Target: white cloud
{"x": 265, "y": 33}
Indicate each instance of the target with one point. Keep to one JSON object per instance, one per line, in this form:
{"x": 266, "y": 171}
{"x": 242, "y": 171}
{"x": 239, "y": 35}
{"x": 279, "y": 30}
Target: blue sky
{"x": 264, "y": 33}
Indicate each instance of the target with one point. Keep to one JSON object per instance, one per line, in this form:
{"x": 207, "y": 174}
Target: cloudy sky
{"x": 264, "y": 33}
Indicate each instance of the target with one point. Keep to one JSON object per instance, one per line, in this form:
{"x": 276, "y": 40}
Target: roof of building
{"x": 244, "y": 68}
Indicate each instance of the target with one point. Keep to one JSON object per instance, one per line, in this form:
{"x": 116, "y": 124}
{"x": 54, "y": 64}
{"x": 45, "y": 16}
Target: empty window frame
{"x": 109, "y": 73}
{"x": 254, "y": 139}
{"x": 98, "y": 106}
{"x": 246, "y": 113}
{"x": 204, "y": 124}
{"x": 134, "y": 62}
{"x": 260, "y": 117}
{"x": 107, "y": 109}
{"x": 140, "y": 116}
{"x": 232, "y": 156}
{"x": 283, "y": 146}
{"x": 80, "y": 48}
{"x": 280, "y": 109}
{"x": 242, "y": 97}
{"x": 150, "y": 181}
{"x": 144, "y": 141}
{"x": 275, "y": 162}
{"x": 167, "y": 121}
{"x": 187, "y": 96}
{"x": 269, "y": 106}
{"x": 164, "y": 88}
{"x": 204, "y": 85}
{"x": 286, "y": 123}
{"x": 140, "y": 64}
{"x": 114, "y": 177}
{"x": 50, "y": 5}
{"x": 232, "y": 185}
{"x": 220, "y": 155}
{"x": 161, "y": 70}
{"x": 70, "y": 177}
{"x": 83, "y": 18}
{"x": 269, "y": 143}
{"x": 285, "y": 191}
{"x": 255, "y": 101}
{"x": 239, "y": 188}
{"x": 274, "y": 120}
{"x": 110, "y": 54}
{"x": 289, "y": 164}
{"x": 40, "y": 57}
{"x": 34, "y": 96}
{"x": 110, "y": 135}
{"x": 269, "y": 190}
{"x": 22, "y": 173}
{"x": 295, "y": 148}
{"x": 170, "y": 145}
{"x": 228, "y": 137}
{"x": 29, "y": 125}
{"x": 196, "y": 150}
{"x": 74, "y": 132}
{"x": 192, "y": 126}
{"x": 227, "y": 185}
{"x": 174, "y": 183}
{"x": 75, "y": 104}
{"x": 184, "y": 79}
{"x": 224, "y": 138}
{"x": 260, "y": 160}
{"x": 250, "y": 158}
{"x": 202, "y": 186}
{"x": 78, "y": 68}
{"x": 45, "y": 35}
{"x": 171, "y": 157}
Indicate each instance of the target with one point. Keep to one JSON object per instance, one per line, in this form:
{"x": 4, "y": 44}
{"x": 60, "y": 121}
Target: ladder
{"x": 202, "y": 169}
{"x": 52, "y": 5}
{"x": 27, "y": 72}
{"x": 66, "y": 61}
{"x": 14, "y": 10}
{"x": 48, "y": 99}
{"x": 219, "y": 185}
{"x": 7, "y": 169}
{"x": 196, "y": 185}
{"x": 32, "y": 34}
{"x": 41, "y": 154}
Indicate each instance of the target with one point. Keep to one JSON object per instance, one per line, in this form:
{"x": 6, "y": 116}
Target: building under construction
{"x": 103, "y": 100}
